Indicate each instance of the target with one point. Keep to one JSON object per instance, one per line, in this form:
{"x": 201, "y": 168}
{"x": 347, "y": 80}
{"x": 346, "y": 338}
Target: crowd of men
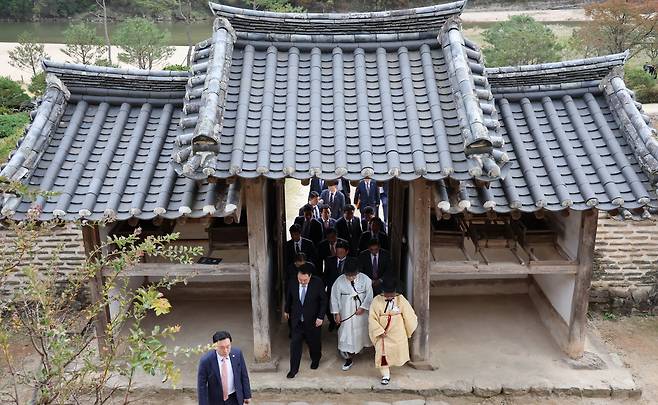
{"x": 338, "y": 266}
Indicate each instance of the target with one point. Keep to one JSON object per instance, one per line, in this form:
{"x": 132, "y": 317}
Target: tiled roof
{"x": 102, "y": 141}
{"x": 575, "y": 139}
{"x": 406, "y": 109}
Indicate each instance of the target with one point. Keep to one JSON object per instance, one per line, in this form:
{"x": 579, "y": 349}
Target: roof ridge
{"x": 632, "y": 122}
{"x": 576, "y": 70}
{"x": 486, "y": 158}
{"x": 201, "y": 122}
{"x": 44, "y": 119}
{"x": 51, "y": 66}
{"x": 418, "y": 20}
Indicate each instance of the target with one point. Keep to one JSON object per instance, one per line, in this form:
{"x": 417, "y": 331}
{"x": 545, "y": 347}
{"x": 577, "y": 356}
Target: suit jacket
{"x": 367, "y": 196}
{"x": 317, "y": 185}
{"x": 315, "y": 303}
{"x": 337, "y": 206}
{"x": 351, "y": 234}
{"x": 308, "y": 248}
{"x": 384, "y": 242}
{"x": 316, "y": 213}
{"x": 332, "y": 224}
{"x": 331, "y": 271}
{"x": 324, "y": 251}
{"x": 209, "y": 382}
{"x": 314, "y": 233}
{"x": 383, "y": 260}
{"x": 345, "y": 184}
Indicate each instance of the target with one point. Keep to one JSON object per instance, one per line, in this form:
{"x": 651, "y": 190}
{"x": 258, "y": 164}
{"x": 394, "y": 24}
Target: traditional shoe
{"x": 385, "y": 380}
{"x": 347, "y": 365}
{"x": 291, "y": 374}
{"x": 315, "y": 365}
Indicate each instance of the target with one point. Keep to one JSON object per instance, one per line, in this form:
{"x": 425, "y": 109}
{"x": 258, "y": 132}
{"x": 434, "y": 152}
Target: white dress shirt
{"x": 231, "y": 382}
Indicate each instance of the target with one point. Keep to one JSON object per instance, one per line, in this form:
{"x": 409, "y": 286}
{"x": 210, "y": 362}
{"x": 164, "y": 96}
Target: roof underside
{"x": 381, "y": 103}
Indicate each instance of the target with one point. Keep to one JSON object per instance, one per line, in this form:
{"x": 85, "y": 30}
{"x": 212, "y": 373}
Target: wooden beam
{"x": 224, "y": 271}
{"x": 580, "y": 300}
{"x": 396, "y": 222}
{"x": 92, "y": 243}
{"x": 260, "y": 267}
{"x": 419, "y": 260}
{"x": 442, "y": 267}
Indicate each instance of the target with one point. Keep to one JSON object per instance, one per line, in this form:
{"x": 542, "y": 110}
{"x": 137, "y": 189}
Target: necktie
{"x": 303, "y": 296}
{"x": 326, "y": 224}
{"x": 316, "y": 212}
{"x": 349, "y": 227}
{"x": 333, "y": 249}
{"x": 375, "y": 268}
{"x": 298, "y": 248}
{"x": 225, "y": 378}
{"x": 368, "y": 189}
{"x": 331, "y": 199}
{"x": 340, "y": 266}
{"x": 305, "y": 228}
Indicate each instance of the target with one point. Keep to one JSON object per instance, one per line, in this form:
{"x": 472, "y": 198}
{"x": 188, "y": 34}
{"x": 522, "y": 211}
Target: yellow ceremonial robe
{"x": 403, "y": 324}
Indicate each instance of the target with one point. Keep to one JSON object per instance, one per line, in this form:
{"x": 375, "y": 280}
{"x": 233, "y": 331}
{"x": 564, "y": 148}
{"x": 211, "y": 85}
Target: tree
{"x": 281, "y": 6}
{"x": 520, "y": 40}
{"x": 103, "y": 9}
{"x": 81, "y": 43}
{"x": 142, "y": 43}
{"x": 27, "y": 54}
{"x": 44, "y": 311}
{"x": 12, "y": 96}
{"x": 617, "y": 26}
{"x": 38, "y": 84}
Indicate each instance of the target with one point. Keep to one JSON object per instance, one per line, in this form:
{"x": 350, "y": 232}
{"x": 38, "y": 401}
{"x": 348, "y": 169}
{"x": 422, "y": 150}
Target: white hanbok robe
{"x": 353, "y": 332}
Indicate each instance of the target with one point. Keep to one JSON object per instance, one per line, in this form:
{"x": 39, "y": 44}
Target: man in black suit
{"x": 344, "y": 188}
{"x": 297, "y": 244}
{"x": 299, "y": 262}
{"x": 334, "y": 199}
{"x": 334, "y": 266}
{"x": 367, "y": 215}
{"x": 305, "y": 307}
{"x": 311, "y": 227}
{"x": 222, "y": 377}
{"x": 326, "y": 220}
{"x": 314, "y": 202}
{"x": 317, "y": 185}
{"x": 375, "y": 263}
{"x": 376, "y": 232}
{"x": 367, "y": 195}
{"x": 327, "y": 248}
{"x": 349, "y": 228}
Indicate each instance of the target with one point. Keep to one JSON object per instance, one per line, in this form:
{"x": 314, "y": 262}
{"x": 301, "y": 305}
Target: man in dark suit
{"x": 375, "y": 263}
{"x": 376, "y": 232}
{"x": 349, "y": 228}
{"x": 326, "y": 220}
{"x": 317, "y": 185}
{"x": 311, "y": 227}
{"x": 222, "y": 378}
{"x": 344, "y": 188}
{"x": 305, "y": 307}
{"x": 367, "y": 215}
{"x": 334, "y": 266}
{"x": 327, "y": 248}
{"x": 367, "y": 195}
{"x": 314, "y": 202}
{"x": 297, "y": 244}
{"x": 334, "y": 199}
{"x": 299, "y": 262}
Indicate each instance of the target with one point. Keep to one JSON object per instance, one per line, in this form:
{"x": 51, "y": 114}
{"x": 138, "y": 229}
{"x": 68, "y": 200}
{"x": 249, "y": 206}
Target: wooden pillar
{"x": 396, "y": 221}
{"x": 419, "y": 265}
{"x": 92, "y": 242}
{"x": 260, "y": 271}
{"x": 580, "y": 300}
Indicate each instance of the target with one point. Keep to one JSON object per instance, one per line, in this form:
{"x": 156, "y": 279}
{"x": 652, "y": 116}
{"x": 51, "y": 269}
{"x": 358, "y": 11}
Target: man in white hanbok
{"x": 350, "y": 300}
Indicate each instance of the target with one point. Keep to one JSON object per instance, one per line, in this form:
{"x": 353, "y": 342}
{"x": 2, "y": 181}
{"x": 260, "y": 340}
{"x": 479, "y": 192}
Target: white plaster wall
{"x": 569, "y": 229}
{"x": 558, "y": 288}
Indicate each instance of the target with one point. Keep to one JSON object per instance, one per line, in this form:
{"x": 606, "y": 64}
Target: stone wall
{"x": 62, "y": 243}
{"x": 625, "y": 266}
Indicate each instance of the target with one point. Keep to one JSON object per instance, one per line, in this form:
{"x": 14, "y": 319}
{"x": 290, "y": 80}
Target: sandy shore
{"x": 54, "y": 50}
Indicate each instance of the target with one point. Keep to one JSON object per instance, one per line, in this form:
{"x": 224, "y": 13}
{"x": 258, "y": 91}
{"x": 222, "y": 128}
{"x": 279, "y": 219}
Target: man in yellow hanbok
{"x": 391, "y": 323}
